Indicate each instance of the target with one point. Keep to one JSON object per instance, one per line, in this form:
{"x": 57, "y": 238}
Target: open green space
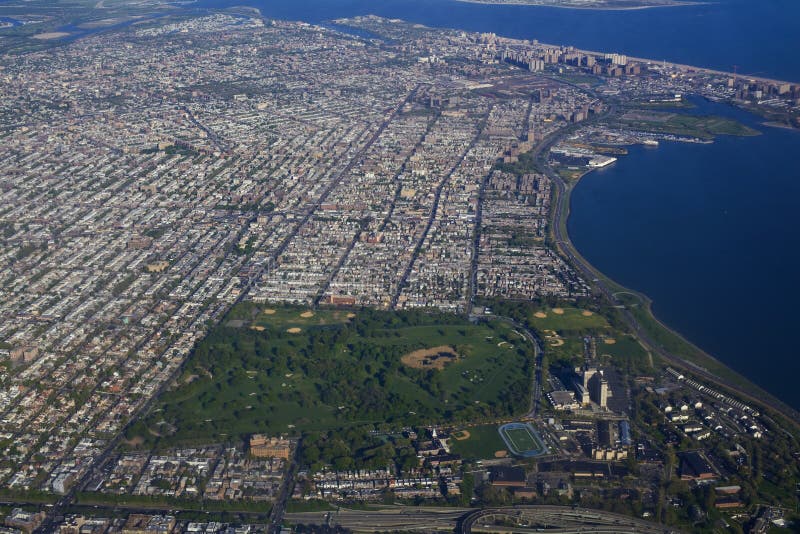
{"x": 669, "y": 104}
{"x": 562, "y": 334}
{"x": 626, "y": 353}
{"x": 283, "y": 370}
{"x": 622, "y": 346}
{"x": 702, "y": 126}
{"x": 571, "y": 174}
{"x": 483, "y": 442}
{"x": 170, "y": 503}
{"x": 564, "y": 349}
{"x": 285, "y": 317}
{"x": 568, "y": 320}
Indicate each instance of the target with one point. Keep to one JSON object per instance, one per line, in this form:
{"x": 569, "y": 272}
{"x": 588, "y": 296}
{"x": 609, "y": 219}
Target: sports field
{"x": 571, "y": 319}
{"x": 483, "y": 443}
{"x": 522, "y": 439}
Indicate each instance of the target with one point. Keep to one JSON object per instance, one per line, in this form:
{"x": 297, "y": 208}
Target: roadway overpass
{"x": 516, "y": 519}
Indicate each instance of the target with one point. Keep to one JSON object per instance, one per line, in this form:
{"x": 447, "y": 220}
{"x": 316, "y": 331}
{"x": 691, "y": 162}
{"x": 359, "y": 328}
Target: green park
{"x": 290, "y": 370}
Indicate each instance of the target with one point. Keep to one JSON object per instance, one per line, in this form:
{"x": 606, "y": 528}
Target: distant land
{"x": 588, "y": 4}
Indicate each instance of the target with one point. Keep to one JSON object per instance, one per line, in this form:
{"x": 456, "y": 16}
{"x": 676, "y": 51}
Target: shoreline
{"x": 773, "y": 124}
{"x": 610, "y": 289}
{"x": 581, "y": 8}
{"x": 606, "y": 285}
{"x": 747, "y": 390}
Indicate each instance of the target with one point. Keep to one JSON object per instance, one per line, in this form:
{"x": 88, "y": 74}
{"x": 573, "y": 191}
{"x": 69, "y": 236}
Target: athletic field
{"x": 522, "y": 440}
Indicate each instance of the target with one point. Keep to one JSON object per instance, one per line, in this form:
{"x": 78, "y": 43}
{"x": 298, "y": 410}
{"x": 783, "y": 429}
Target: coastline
{"x": 638, "y": 313}
{"x": 581, "y": 8}
{"x": 696, "y": 359}
{"x": 773, "y": 124}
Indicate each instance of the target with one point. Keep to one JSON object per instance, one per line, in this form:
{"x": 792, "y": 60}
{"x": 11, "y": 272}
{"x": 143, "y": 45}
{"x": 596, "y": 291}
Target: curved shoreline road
{"x": 564, "y": 245}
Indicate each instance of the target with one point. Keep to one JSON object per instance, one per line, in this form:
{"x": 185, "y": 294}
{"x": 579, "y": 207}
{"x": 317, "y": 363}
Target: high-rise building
{"x": 591, "y": 386}
{"x": 599, "y": 390}
{"x": 616, "y": 59}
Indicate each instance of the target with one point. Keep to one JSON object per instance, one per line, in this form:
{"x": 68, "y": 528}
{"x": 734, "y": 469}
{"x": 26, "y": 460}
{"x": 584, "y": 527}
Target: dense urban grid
{"x": 156, "y": 177}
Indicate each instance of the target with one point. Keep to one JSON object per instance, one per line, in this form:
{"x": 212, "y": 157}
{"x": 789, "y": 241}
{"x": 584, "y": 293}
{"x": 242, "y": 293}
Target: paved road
{"x": 557, "y": 519}
{"x": 397, "y": 180}
{"x": 536, "y": 387}
{"x": 279, "y": 508}
{"x": 568, "y": 250}
{"x": 472, "y": 290}
{"x": 432, "y": 217}
{"x": 395, "y": 518}
{"x": 69, "y": 498}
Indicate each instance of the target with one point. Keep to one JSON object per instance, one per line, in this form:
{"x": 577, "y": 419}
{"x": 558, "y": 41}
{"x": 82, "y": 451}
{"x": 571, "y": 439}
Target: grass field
{"x": 521, "y": 439}
{"x": 705, "y": 127}
{"x": 626, "y": 353}
{"x": 483, "y": 443}
{"x": 682, "y": 104}
{"x": 252, "y": 375}
{"x": 572, "y": 319}
{"x": 287, "y": 316}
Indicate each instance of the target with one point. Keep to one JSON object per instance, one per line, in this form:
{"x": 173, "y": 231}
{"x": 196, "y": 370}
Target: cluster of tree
{"x": 767, "y": 470}
{"x": 166, "y": 502}
{"x": 357, "y": 447}
{"x": 349, "y": 388}
{"x": 525, "y": 164}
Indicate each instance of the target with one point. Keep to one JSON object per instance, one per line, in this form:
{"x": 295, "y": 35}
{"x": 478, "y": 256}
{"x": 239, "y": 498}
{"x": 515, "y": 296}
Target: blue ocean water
{"x": 712, "y": 234}
{"x": 13, "y": 22}
{"x": 760, "y": 37}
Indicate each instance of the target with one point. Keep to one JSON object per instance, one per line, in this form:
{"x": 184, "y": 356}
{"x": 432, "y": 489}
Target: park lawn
{"x": 477, "y": 345}
{"x": 625, "y": 346}
{"x": 333, "y": 375}
{"x": 300, "y": 317}
{"x": 483, "y": 442}
{"x": 571, "y": 351}
{"x": 255, "y": 315}
{"x": 705, "y": 127}
{"x": 571, "y": 320}
{"x": 570, "y": 174}
{"x": 711, "y": 125}
{"x": 681, "y": 104}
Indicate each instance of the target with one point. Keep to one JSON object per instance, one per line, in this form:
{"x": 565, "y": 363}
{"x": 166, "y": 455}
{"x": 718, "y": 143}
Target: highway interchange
{"x": 519, "y": 519}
